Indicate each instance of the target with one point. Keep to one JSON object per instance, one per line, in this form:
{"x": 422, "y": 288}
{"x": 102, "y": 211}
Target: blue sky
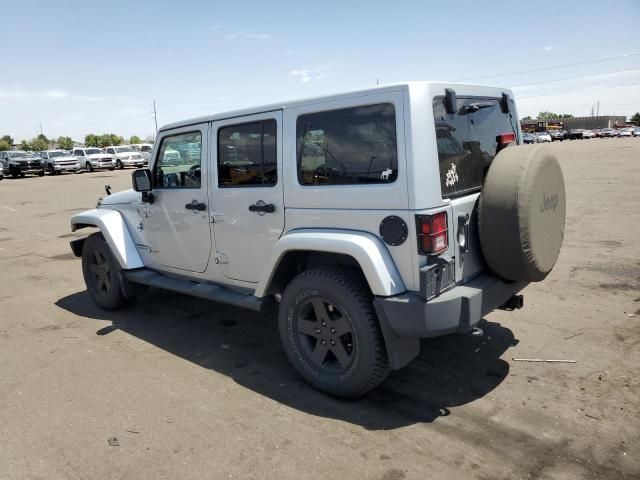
{"x": 96, "y": 66}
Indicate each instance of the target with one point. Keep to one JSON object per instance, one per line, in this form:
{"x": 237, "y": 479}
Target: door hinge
{"x": 217, "y": 217}
{"x": 221, "y": 258}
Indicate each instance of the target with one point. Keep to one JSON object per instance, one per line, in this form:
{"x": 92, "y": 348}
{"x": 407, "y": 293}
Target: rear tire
{"x": 330, "y": 332}
{"x": 119, "y": 165}
{"x": 89, "y": 167}
{"x": 102, "y": 274}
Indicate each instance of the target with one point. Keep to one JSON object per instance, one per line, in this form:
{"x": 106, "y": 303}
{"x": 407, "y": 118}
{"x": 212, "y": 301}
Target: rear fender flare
{"x": 368, "y": 250}
{"x": 113, "y": 227}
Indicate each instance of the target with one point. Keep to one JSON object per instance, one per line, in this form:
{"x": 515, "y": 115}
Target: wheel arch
{"x": 112, "y": 225}
{"x": 299, "y": 250}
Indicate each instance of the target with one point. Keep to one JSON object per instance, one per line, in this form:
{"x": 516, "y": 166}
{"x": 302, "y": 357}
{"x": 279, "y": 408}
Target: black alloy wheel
{"x": 325, "y": 335}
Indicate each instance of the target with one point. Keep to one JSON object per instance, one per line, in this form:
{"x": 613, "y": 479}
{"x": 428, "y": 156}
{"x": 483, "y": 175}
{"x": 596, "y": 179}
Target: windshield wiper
{"x": 474, "y": 107}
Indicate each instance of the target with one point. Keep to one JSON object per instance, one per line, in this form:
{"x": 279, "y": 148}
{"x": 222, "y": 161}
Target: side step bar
{"x": 207, "y": 291}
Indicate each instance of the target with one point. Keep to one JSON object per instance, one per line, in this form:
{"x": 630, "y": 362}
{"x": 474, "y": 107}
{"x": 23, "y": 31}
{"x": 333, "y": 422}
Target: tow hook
{"x": 515, "y": 302}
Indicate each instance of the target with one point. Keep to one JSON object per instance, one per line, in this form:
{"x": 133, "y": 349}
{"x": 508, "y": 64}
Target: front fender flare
{"x": 112, "y": 225}
{"x": 368, "y": 250}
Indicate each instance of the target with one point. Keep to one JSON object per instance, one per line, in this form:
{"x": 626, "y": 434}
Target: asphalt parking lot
{"x": 193, "y": 390}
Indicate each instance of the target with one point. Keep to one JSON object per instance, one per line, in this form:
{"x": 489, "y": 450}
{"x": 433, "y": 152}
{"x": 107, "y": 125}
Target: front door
{"x": 177, "y": 225}
{"x": 247, "y": 200}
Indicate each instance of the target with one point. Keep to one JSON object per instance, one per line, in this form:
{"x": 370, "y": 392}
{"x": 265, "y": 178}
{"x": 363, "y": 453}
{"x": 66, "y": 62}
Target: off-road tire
{"x": 96, "y": 252}
{"x": 346, "y": 289}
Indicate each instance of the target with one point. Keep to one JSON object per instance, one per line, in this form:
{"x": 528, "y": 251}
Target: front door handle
{"x": 262, "y": 207}
{"x": 195, "y": 206}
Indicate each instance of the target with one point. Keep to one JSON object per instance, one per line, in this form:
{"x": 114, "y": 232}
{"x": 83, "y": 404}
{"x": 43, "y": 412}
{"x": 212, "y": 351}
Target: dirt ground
{"x": 195, "y": 390}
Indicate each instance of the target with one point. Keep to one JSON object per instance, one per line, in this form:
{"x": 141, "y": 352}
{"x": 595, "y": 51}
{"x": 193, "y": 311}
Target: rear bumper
{"x": 456, "y": 310}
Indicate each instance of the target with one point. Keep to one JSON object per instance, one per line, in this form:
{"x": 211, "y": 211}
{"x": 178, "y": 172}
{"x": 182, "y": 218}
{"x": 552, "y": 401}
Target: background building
{"x": 605, "y": 121}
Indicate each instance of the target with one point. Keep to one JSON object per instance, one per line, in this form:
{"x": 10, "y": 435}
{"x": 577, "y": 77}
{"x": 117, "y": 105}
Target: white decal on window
{"x": 385, "y": 174}
{"x": 452, "y": 176}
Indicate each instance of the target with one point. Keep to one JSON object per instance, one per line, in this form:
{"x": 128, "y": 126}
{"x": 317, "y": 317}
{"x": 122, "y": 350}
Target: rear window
{"x": 467, "y": 141}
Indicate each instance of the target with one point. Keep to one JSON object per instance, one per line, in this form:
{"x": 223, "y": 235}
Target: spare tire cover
{"x": 521, "y": 213}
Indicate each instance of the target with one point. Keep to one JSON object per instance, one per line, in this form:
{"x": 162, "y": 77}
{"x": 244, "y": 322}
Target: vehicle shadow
{"x": 244, "y": 345}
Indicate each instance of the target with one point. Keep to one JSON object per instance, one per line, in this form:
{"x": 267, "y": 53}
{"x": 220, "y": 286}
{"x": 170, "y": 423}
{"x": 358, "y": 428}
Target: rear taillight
{"x": 433, "y": 235}
{"x": 504, "y": 140}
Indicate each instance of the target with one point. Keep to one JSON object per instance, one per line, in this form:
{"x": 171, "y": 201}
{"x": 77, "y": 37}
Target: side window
{"x": 179, "y": 161}
{"x": 348, "y": 146}
{"x": 247, "y": 155}
{"x": 110, "y": 150}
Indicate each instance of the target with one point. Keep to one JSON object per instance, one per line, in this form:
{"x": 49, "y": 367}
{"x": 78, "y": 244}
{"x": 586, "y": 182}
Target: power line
{"x": 574, "y": 78}
{"x": 586, "y": 62}
{"x": 582, "y": 90}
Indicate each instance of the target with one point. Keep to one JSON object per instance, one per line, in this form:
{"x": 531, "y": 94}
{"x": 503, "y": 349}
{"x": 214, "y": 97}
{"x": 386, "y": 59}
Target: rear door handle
{"x": 463, "y": 232}
{"x": 262, "y": 208}
{"x": 195, "y": 206}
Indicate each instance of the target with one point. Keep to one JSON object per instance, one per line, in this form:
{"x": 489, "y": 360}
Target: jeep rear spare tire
{"x": 521, "y": 213}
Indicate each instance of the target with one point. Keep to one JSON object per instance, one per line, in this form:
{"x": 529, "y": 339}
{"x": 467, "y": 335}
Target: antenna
{"x": 155, "y": 115}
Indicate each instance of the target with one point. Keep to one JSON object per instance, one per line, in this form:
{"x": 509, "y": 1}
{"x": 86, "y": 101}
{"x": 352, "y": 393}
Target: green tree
{"x": 634, "y": 119}
{"x": 528, "y": 117}
{"x": 552, "y": 115}
{"x": 91, "y": 140}
{"x": 134, "y": 140}
{"x": 4, "y": 145}
{"x": 40, "y": 143}
{"x": 66, "y": 143}
{"x": 7, "y": 139}
{"x": 25, "y": 145}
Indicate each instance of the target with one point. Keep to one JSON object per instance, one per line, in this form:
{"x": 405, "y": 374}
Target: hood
{"x": 66, "y": 158}
{"x": 100, "y": 155}
{"x": 127, "y": 155}
{"x": 120, "y": 198}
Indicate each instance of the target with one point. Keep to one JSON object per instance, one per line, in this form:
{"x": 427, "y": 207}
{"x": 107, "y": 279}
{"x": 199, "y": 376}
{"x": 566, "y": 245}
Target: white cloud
{"x": 306, "y": 75}
{"x": 247, "y": 35}
{"x": 549, "y": 48}
{"x": 46, "y": 94}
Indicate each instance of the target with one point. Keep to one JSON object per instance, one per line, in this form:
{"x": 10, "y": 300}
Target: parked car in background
{"x": 58, "y": 161}
{"x": 607, "y": 132}
{"x": 93, "y": 158}
{"x": 145, "y": 149}
{"x": 528, "y": 138}
{"x": 18, "y": 164}
{"x": 624, "y": 132}
{"x": 636, "y": 132}
{"x": 1, "y": 172}
{"x": 542, "y": 137}
{"x": 575, "y": 134}
{"x": 125, "y": 156}
{"x": 588, "y": 134}
{"x": 557, "y": 135}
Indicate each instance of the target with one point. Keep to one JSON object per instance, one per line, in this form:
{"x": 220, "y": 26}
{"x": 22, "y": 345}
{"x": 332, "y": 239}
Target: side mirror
{"x": 141, "y": 180}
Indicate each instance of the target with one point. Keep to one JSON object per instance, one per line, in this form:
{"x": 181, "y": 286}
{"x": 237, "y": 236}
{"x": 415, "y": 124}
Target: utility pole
{"x": 155, "y": 116}
{"x": 377, "y": 81}
{"x": 598, "y": 109}
{"x": 40, "y": 125}
{"x": 592, "y": 109}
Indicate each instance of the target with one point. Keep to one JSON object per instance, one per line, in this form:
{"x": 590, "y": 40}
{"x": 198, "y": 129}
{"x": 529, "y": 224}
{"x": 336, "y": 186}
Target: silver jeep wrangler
{"x": 373, "y": 218}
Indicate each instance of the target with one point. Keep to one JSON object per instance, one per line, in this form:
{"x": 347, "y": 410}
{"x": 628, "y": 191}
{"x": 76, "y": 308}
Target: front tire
{"x": 119, "y": 165}
{"x": 89, "y": 167}
{"x": 330, "y": 332}
{"x": 102, "y": 274}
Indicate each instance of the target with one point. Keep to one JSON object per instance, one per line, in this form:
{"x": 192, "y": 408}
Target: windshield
{"x": 57, "y": 154}
{"x": 93, "y": 151}
{"x": 123, "y": 149}
{"x": 467, "y": 141}
{"x": 19, "y": 154}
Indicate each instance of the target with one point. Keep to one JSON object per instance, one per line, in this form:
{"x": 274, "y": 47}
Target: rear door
{"x": 468, "y": 140}
{"x": 247, "y": 200}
